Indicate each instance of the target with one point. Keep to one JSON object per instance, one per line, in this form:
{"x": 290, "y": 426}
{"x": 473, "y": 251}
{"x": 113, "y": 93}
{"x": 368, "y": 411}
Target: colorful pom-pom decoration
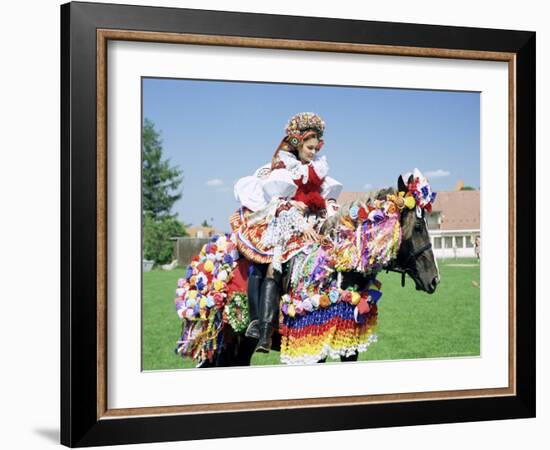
{"x": 201, "y": 300}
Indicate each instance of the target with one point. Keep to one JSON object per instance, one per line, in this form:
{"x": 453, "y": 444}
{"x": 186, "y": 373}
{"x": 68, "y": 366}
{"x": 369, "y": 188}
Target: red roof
{"x": 460, "y": 210}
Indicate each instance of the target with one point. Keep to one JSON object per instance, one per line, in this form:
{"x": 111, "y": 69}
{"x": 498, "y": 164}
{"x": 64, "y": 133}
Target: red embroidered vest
{"x": 310, "y": 192}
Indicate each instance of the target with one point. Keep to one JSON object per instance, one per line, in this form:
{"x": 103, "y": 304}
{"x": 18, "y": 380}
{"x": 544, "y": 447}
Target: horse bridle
{"x": 394, "y": 267}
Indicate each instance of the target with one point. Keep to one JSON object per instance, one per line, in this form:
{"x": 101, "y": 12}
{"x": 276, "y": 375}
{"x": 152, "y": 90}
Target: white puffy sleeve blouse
{"x": 257, "y": 191}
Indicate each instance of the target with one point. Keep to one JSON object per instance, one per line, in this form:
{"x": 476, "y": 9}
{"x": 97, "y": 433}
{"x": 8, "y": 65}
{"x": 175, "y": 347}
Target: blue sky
{"x": 219, "y": 131}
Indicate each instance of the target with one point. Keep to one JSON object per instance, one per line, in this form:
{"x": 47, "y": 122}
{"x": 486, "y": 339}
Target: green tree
{"x": 160, "y": 182}
{"x": 160, "y": 190}
{"x": 157, "y": 245}
{"x": 467, "y": 188}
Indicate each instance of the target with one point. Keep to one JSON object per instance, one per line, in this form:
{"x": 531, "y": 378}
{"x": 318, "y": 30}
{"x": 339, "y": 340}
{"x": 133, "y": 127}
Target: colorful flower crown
{"x": 302, "y": 122}
{"x": 422, "y": 193}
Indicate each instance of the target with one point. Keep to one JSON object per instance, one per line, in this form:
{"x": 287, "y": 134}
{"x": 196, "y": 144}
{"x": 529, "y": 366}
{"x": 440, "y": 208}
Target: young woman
{"x": 283, "y": 206}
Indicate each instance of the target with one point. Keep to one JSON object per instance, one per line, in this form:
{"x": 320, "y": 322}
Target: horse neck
{"x": 367, "y": 198}
{"x": 371, "y": 244}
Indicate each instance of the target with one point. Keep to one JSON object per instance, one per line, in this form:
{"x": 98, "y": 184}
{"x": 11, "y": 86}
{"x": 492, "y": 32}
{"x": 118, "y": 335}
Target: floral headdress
{"x": 297, "y": 130}
{"x": 303, "y": 125}
{"x": 421, "y": 190}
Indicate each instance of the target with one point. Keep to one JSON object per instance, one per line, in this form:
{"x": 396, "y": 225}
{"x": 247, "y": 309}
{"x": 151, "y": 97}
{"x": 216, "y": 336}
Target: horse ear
{"x": 401, "y": 186}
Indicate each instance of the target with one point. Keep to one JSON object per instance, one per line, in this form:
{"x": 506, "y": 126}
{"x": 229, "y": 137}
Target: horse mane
{"x": 330, "y": 225}
{"x": 366, "y": 198}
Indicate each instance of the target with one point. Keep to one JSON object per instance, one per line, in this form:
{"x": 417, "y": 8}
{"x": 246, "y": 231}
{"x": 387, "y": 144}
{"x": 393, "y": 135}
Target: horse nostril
{"x": 434, "y": 283}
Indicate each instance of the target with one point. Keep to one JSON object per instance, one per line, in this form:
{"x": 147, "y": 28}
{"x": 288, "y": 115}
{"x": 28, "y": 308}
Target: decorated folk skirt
{"x": 249, "y": 236}
{"x": 327, "y": 332}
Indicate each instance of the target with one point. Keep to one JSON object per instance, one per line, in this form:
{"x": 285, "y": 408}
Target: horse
{"x": 413, "y": 257}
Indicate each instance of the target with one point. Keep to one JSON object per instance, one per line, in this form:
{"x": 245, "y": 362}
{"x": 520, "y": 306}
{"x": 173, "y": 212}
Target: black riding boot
{"x": 269, "y": 313}
{"x": 255, "y": 279}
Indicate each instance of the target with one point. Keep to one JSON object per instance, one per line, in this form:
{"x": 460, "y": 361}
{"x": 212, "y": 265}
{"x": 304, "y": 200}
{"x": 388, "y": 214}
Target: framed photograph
{"x": 278, "y": 224}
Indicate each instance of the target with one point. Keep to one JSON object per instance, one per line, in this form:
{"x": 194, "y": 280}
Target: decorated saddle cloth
{"x": 271, "y": 235}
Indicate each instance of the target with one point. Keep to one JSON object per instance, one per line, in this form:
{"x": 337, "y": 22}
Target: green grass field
{"x": 411, "y": 324}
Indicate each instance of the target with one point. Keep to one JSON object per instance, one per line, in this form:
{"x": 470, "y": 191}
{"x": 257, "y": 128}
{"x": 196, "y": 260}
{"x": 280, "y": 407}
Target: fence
{"x": 186, "y": 247}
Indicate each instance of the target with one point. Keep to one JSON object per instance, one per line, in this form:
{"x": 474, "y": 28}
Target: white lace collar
{"x": 298, "y": 169}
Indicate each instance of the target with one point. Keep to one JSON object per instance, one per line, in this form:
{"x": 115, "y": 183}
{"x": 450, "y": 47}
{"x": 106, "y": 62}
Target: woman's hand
{"x": 311, "y": 234}
{"x": 332, "y": 207}
{"x": 300, "y": 205}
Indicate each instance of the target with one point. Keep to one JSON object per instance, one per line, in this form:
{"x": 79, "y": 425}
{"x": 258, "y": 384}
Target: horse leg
{"x": 205, "y": 364}
{"x": 227, "y": 356}
{"x": 245, "y": 350}
{"x": 350, "y": 358}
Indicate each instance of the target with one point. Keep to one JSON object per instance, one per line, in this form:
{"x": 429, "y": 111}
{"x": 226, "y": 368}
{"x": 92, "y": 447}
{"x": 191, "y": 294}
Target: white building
{"x": 454, "y": 224}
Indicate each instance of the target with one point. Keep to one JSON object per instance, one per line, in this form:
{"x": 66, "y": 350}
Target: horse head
{"x": 385, "y": 229}
{"x": 415, "y": 256}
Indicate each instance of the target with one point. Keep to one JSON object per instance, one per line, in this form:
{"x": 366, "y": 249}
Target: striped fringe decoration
{"x": 327, "y": 332}
{"x": 201, "y": 339}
